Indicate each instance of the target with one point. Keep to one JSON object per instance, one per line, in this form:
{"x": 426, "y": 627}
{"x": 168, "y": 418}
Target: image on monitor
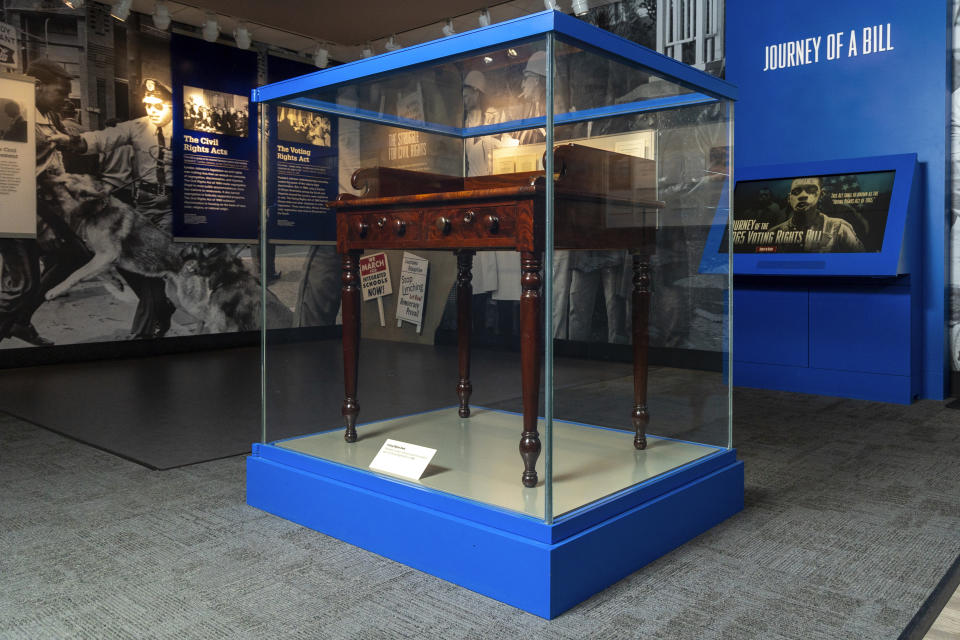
{"x": 839, "y": 213}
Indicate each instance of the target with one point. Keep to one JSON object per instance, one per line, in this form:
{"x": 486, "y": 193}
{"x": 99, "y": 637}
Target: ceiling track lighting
{"x": 241, "y": 35}
{"x": 551, "y": 5}
{"x": 161, "y": 15}
{"x": 392, "y": 44}
{"x": 484, "y": 18}
{"x": 321, "y": 57}
{"x": 580, "y": 7}
{"x": 211, "y": 28}
{"x": 121, "y": 10}
{"x": 74, "y": 4}
{"x": 448, "y": 29}
{"x": 367, "y": 51}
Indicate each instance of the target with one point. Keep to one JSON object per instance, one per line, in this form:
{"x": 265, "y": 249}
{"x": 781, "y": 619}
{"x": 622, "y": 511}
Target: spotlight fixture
{"x": 321, "y": 57}
{"x": 484, "y": 18}
{"x": 580, "y": 7}
{"x": 487, "y": 60}
{"x": 242, "y": 35}
{"x": 551, "y": 5}
{"x": 512, "y": 53}
{"x": 448, "y": 29}
{"x": 211, "y": 28}
{"x": 367, "y": 51}
{"x": 74, "y": 4}
{"x": 392, "y": 44}
{"x": 161, "y": 15}
{"x": 121, "y": 10}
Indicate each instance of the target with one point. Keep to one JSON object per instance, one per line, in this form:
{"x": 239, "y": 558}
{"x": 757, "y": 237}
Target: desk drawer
{"x": 384, "y": 229}
{"x": 472, "y": 226}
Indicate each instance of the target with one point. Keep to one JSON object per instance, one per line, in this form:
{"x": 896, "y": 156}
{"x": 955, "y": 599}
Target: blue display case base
{"x": 514, "y": 558}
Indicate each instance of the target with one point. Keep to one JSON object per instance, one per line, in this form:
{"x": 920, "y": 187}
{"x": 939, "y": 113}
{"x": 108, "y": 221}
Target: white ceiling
{"x": 342, "y": 26}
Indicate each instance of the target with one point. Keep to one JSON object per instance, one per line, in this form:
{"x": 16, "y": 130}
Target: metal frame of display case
{"x": 542, "y": 566}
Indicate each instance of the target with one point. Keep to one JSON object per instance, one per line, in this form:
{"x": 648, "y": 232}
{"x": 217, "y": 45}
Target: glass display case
{"x": 494, "y": 248}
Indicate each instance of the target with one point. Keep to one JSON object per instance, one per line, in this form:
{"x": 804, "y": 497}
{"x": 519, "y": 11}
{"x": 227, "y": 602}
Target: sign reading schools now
{"x": 375, "y": 276}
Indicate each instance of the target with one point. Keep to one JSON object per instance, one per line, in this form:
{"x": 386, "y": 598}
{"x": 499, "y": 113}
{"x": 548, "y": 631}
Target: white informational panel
{"x": 18, "y": 151}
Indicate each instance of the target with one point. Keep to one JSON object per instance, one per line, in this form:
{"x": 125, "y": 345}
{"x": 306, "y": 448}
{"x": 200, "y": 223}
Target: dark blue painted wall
{"x": 881, "y": 103}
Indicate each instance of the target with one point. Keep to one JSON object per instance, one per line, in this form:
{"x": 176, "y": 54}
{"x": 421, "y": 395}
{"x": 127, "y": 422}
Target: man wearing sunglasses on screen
{"x": 808, "y": 229}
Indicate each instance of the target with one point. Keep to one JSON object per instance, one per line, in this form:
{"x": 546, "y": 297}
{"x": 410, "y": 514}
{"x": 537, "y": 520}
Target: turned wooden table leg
{"x": 351, "y": 341}
{"x": 530, "y": 263}
{"x": 641, "y": 345}
{"x": 464, "y": 319}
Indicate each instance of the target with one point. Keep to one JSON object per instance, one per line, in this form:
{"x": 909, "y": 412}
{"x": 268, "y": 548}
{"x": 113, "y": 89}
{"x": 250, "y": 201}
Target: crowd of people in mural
{"x": 295, "y": 125}
{"x": 229, "y": 121}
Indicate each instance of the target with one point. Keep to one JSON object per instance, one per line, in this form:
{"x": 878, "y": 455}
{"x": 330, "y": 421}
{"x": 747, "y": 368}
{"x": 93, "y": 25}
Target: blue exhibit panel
{"x": 861, "y": 328}
{"x": 847, "y": 101}
{"x": 771, "y": 326}
{"x": 480, "y": 548}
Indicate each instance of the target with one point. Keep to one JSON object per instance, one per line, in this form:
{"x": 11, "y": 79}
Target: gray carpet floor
{"x": 852, "y": 516}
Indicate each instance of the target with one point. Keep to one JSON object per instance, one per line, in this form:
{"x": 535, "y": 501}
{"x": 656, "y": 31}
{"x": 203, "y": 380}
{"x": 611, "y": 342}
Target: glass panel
{"x": 640, "y": 321}
{"x": 496, "y": 86}
{"x": 590, "y": 83}
{"x": 450, "y": 195}
{"x": 591, "y": 320}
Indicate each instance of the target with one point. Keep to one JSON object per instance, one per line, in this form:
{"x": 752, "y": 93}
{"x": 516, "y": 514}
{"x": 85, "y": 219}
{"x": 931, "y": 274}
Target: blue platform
{"x": 517, "y": 559}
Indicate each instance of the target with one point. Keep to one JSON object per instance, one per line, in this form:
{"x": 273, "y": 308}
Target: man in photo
{"x": 835, "y": 235}
{"x": 150, "y": 178}
{"x": 17, "y": 129}
{"x": 766, "y": 210}
{"x": 22, "y": 285}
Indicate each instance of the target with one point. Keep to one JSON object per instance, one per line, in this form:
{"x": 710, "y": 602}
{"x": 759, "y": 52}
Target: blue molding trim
{"x": 860, "y": 385}
{"x": 512, "y": 31}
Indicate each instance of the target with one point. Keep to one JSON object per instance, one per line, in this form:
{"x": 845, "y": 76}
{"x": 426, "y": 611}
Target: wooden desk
{"x": 603, "y": 200}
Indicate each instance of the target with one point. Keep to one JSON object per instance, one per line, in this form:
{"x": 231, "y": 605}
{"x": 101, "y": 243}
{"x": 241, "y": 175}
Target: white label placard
{"x": 18, "y": 153}
{"x": 413, "y": 288}
{"x": 402, "y": 459}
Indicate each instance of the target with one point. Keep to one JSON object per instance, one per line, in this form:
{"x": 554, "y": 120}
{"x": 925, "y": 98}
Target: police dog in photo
{"x": 116, "y": 233}
{"x": 215, "y": 287}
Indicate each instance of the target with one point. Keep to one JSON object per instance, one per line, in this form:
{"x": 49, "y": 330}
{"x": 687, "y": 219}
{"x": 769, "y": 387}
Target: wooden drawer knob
{"x": 362, "y": 229}
{"x": 443, "y": 225}
{"x": 493, "y": 223}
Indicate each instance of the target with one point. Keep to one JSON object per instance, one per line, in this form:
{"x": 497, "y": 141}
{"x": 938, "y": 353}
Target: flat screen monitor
{"x": 835, "y": 218}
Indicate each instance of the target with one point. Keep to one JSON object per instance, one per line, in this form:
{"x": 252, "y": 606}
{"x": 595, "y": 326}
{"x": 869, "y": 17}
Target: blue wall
{"x": 881, "y": 103}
